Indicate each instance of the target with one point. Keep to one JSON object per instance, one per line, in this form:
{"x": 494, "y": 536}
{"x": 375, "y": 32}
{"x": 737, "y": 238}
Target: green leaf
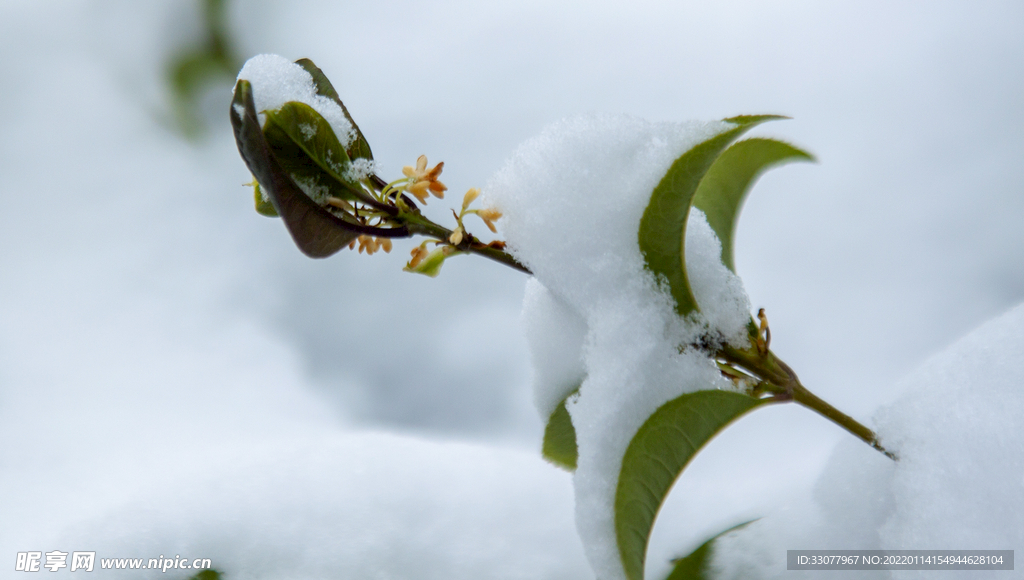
{"x": 307, "y": 148}
{"x": 316, "y": 232}
{"x": 657, "y": 455}
{"x": 431, "y": 264}
{"x": 209, "y": 60}
{"x": 694, "y": 565}
{"x": 359, "y": 147}
{"x": 560, "y": 437}
{"x": 207, "y": 575}
{"x": 663, "y": 225}
{"x": 722, "y": 191}
{"x": 263, "y": 206}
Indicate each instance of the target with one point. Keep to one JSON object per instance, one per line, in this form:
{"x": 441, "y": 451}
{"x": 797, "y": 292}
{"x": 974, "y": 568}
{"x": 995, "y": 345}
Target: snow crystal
{"x": 958, "y": 484}
{"x": 360, "y": 169}
{"x": 315, "y": 191}
{"x": 308, "y": 130}
{"x": 572, "y": 199}
{"x": 277, "y": 80}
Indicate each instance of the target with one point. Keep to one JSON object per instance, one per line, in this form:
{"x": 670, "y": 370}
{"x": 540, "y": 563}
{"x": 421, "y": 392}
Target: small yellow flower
{"x": 456, "y": 237}
{"x": 423, "y": 180}
{"x": 489, "y": 216}
{"x": 371, "y": 245}
{"x": 418, "y": 253}
{"x": 367, "y": 243}
{"x": 469, "y": 197}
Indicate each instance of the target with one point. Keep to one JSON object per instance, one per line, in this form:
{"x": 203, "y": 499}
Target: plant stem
{"x": 418, "y": 224}
{"x": 780, "y": 379}
{"x": 811, "y": 401}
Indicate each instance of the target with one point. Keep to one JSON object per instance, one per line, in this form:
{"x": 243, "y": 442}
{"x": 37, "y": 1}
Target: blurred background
{"x": 147, "y": 311}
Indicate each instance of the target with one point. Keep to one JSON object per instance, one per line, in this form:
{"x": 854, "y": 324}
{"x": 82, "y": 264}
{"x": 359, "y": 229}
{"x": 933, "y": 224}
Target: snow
{"x": 724, "y": 305}
{"x": 572, "y": 199}
{"x": 556, "y": 337}
{"x": 175, "y": 378}
{"x": 327, "y": 506}
{"x": 959, "y": 482}
{"x": 359, "y": 169}
{"x": 276, "y": 80}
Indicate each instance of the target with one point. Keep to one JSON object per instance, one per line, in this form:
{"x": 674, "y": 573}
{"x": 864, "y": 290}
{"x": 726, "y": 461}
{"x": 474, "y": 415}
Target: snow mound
{"x": 573, "y": 198}
{"x": 959, "y": 482}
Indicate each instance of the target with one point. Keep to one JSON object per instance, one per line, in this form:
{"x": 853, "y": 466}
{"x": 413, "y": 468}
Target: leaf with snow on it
{"x": 315, "y": 231}
{"x": 307, "y": 148}
{"x": 663, "y": 225}
{"x": 359, "y": 147}
{"x": 560, "y": 438}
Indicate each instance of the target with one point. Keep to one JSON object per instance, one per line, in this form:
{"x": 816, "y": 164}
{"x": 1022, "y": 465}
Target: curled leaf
{"x": 308, "y": 150}
{"x": 663, "y": 225}
{"x": 725, "y": 186}
{"x": 560, "y": 437}
{"x": 316, "y": 232}
{"x": 657, "y": 455}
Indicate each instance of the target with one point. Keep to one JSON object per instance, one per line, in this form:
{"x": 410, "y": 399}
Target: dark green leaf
{"x": 663, "y": 225}
{"x": 694, "y": 565}
{"x": 359, "y": 147}
{"x": 560, "y": 437}
{"x": 316, "y": 232}
{"x": 304, "y": 144}
{"x": 723, "y": 189}
{"x": 207, "y": 575}
{"x": 657, "y": 455}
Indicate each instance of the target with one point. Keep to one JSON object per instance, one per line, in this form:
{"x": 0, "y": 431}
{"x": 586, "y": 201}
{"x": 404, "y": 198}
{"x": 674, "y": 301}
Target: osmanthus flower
{"x": 370, "y": 245}
{"x": 422, "y": 180}
{"x": 489, "y": 216}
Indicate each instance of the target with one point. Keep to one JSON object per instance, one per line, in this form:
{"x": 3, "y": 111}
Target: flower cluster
{"x": 371, "y": 245}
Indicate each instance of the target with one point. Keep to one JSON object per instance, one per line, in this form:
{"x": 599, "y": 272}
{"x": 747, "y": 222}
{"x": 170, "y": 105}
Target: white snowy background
{"x": 175, "y": 378}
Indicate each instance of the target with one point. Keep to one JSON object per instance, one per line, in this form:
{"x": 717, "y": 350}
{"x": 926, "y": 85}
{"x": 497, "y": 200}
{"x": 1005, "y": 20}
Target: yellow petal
{"x": 470, "y": 196}
{"x": 456, "y": 237}
{"x": 418, "y": 189}
{"x": 489, "y": 214}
